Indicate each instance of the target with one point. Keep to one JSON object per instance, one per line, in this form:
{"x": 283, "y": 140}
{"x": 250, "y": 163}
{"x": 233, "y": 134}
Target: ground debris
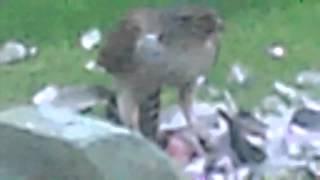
{"x": 280, "y": 135}
{"x": 78, "y": 98}
{"x": 15, "y": 51}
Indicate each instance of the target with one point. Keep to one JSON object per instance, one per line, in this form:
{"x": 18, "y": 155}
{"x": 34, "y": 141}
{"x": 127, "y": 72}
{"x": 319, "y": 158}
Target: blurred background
{"x": 54, "y": 26}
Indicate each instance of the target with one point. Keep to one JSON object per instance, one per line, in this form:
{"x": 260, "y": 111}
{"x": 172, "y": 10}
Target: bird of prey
{"x": 156, "y": 47}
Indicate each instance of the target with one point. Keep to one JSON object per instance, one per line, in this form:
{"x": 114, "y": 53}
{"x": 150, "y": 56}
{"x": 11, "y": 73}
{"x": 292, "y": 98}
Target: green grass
{"x": 250, "y": 26}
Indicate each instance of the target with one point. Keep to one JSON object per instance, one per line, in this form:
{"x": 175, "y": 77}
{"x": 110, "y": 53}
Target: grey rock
{"x": 47, "y": 143}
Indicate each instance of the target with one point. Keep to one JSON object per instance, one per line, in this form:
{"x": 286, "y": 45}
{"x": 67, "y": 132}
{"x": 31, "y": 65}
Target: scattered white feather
{"x": 201, "y": 80}
{"x": 46, "y": 95}
{"x": 33, "y": 50}
{"x": 152, "y": 37}
{"x": 91, "y": 38}
{"x": 92, "y": 65}
{"x": 12, "y": 51}
{"x": 285, "y": 90}
{"x": 276, "y": 51}
{"x": 255, "y": 140}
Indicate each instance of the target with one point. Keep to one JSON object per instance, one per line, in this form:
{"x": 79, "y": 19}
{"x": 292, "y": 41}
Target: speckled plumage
{"x": 152, "y": 48}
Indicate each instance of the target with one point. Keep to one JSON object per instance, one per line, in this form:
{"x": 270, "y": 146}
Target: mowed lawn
{"x": 54, "y": 26}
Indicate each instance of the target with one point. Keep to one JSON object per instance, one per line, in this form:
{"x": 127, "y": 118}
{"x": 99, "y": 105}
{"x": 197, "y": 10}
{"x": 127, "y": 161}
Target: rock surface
{"x": 45, "y": 143}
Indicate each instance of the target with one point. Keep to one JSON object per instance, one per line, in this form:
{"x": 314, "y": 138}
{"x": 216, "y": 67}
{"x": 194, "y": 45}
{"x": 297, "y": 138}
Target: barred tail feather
{"x": 112, "y": 111}
{"x": 149, "y": 115}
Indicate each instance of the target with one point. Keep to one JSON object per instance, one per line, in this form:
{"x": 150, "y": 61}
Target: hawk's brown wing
{"x": 116, "y": 56}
